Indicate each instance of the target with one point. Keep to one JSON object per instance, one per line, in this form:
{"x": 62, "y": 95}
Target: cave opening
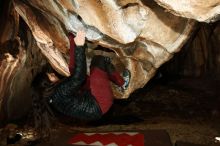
{"x": 173, "y": 97}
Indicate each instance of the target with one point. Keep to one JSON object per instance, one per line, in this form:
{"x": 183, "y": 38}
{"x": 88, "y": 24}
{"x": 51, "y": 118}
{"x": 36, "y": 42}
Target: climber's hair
{"x": 41, "y": 82}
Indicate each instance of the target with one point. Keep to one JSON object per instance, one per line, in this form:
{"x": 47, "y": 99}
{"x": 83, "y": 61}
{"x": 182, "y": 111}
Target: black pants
{"x": 66, "y": 97}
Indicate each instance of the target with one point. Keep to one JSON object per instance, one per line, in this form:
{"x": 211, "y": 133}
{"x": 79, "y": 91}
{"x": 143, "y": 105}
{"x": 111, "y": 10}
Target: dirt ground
{"x": 188, "y": 109}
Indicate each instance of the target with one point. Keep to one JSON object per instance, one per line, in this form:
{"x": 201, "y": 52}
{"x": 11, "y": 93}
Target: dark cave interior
{"x": 186, "y": 107}
{"x": 183, "y": 99}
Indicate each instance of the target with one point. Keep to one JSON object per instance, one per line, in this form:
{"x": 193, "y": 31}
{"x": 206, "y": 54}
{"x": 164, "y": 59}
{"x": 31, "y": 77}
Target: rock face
{"x": 20, "y": 60}
{"x": 200, "y": 55}
{"x": 204, "y": 11}
{"x": 141, "y": 34}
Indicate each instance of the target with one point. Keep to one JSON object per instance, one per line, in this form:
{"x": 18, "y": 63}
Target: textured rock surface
{"x": 141, "y": 34}
{"x": 205, "y": 11}
{"x": 20, "y": 60}
{"x": 17, "y": 72}
{"x": 200, "y": 57}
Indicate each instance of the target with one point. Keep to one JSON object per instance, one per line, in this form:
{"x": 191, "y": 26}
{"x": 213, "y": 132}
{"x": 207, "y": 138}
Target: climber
{"x": 86, "y": 97}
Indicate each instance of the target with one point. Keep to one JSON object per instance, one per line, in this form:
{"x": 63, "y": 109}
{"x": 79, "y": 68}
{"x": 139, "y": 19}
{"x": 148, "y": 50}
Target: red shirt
{"x": 98, "y": 82}
{"x": 101, "y": 89}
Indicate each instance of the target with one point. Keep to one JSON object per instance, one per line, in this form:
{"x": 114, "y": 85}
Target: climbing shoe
{"x": 126, "y": 76}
